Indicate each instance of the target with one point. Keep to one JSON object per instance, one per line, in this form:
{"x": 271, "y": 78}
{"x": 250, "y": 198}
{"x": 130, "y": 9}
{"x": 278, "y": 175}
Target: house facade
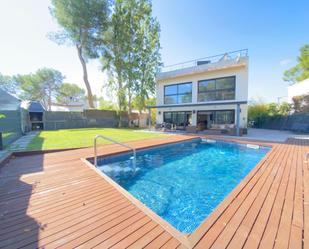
{"x": 208, "y": 94}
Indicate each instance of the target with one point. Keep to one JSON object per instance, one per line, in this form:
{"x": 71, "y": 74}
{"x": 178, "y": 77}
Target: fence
{"x": 11, "y": 126}
{"x": 296, "y": 122}
{"x": 85, "y": 119}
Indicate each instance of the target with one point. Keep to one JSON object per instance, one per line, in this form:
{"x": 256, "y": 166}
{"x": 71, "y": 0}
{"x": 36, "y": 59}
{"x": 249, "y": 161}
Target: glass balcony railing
{"x": 233, "y": 55}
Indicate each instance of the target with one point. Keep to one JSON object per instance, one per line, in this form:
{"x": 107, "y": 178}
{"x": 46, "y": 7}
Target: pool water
{"x": 184, "y": 182}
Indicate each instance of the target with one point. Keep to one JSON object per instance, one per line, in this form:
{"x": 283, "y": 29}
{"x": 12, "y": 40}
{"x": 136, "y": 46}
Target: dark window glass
{"x": 224, "y": 117}
{"x": 172, "y": 99}
{"x": 185, "y": 98}
{"x": 178, "y": 93}
{"x": 207, "y": 85}
{"x": 178, "y": 118}
{"x": 168, "y": 117}
{"x": 225, "y": 83}
{"x": 207, "y": 96}
{"x": 216, "y": 89}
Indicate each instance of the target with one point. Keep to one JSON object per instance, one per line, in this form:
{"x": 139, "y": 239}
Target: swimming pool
{"x": 183, "y": 182}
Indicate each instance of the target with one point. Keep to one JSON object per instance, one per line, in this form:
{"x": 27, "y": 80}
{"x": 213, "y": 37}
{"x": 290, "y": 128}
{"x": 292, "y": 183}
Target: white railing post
{"x": 115, "y": 142}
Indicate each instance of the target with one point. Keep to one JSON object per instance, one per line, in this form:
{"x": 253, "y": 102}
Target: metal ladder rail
{"x": 115, "y": 142}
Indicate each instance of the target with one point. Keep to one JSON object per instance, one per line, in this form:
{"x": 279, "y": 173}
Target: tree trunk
{"x": 129, "y": 105}
{"x": 85, "y": 76}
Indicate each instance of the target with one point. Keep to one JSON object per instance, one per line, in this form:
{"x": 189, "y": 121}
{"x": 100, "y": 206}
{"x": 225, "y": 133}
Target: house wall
{"x": 241, "y": 93}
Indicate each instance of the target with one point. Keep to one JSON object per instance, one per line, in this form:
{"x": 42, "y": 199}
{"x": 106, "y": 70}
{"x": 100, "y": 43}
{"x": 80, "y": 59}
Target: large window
{"x": 224, "y": 117}
{"x": 216, "y": 117}
{"x": 178, "y": 93}
{"x": 216, "y": 89}
{"x": 178, "y": 118}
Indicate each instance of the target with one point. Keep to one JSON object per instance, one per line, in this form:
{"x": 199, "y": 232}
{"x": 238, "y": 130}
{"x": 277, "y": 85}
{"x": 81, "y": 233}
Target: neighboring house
{"x": 298, "y": 89}
{"x": 8, "y": 101}
{"x": 72, "y": 105}
{"x": 206, "y": 94}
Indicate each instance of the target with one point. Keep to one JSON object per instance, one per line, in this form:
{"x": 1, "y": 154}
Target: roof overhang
{"x": 199, "y": 104}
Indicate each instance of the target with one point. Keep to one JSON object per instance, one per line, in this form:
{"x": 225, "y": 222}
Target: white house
{"x": 207, "y": 94}
{"x": 298, "y": 89}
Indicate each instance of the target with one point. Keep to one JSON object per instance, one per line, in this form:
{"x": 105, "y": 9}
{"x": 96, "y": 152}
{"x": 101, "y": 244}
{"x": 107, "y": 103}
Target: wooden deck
{"x": 57, "y": 200}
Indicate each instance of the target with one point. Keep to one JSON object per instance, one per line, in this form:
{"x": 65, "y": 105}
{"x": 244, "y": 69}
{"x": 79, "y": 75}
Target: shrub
{"x": 259, "y": 113}
{"x": 301, "y": 103}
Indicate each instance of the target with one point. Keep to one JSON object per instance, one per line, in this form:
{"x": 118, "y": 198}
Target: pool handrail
{"x": 115, "y": 142}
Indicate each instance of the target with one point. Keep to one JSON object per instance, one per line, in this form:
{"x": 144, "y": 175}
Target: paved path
{"x": 22, "y": 142}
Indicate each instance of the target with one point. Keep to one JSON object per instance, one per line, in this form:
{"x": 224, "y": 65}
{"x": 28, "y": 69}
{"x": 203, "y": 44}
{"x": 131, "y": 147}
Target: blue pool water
{"x": 184, "y": 182}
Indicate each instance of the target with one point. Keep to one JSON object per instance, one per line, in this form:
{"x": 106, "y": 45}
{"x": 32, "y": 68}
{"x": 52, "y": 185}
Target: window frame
{"x": 216, "y": 90}
{"x": 177, "y": 94}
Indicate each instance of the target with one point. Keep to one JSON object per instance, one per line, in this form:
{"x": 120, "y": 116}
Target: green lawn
{"x": 75, "y": 138}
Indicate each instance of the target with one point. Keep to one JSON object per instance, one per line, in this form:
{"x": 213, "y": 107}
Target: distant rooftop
{"x": 210, "y": 63}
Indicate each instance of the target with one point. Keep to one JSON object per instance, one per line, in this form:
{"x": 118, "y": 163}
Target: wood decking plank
{"x": 116, "y": 227}
{"x": 151, "y": 229}
{"x": 258, "y": 179}
{"x": 61, "y": 222}
{"x": 296, "y": 238}
{"x": 305, "y": 163}
{"x": 158, "y": 242}
{"x": 42, "y": 197}
{"x": 248, "y": 210}
{"x": 253, "y": 176}
{"x": 254, "y": 237}
{"x": 263, "y": 201}
{"x": 172, "y": 243}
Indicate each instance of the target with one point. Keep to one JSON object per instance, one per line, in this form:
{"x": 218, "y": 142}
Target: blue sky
{"x": 273, "y": 31}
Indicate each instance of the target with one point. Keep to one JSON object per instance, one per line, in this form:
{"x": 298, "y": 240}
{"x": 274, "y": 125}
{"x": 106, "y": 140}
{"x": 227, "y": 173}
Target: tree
{"x": 301, "y": 70}
{"x": 301, "y": 103}
{"x": 107, "y": 105}
{"x": 40, "y": 86}
{"x": 284, "y": 108}
{"x": 115, "y": 52}
{"x": 83, "y": 23}
{"x": 132, "y": 56}
{"x": 70, "y": 92}
{"x": 148, "y": 102}
{"x": 148, "y": 54}
{"x": 8, "y": 84}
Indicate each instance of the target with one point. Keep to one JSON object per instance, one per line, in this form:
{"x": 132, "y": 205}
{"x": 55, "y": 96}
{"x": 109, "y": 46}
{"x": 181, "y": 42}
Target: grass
{"x": 76, "y": 138}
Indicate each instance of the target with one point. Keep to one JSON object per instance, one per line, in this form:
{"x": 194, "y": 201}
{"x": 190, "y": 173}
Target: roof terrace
{"x": 210, "y": 63}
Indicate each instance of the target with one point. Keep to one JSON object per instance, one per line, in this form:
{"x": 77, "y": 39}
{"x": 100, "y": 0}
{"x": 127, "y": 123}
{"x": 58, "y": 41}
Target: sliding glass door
{"x": 178, "y": 118}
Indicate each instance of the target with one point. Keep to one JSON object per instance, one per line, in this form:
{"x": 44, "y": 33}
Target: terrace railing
{"x": 206, "y": 60}
{"x": 114, "y": 142}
